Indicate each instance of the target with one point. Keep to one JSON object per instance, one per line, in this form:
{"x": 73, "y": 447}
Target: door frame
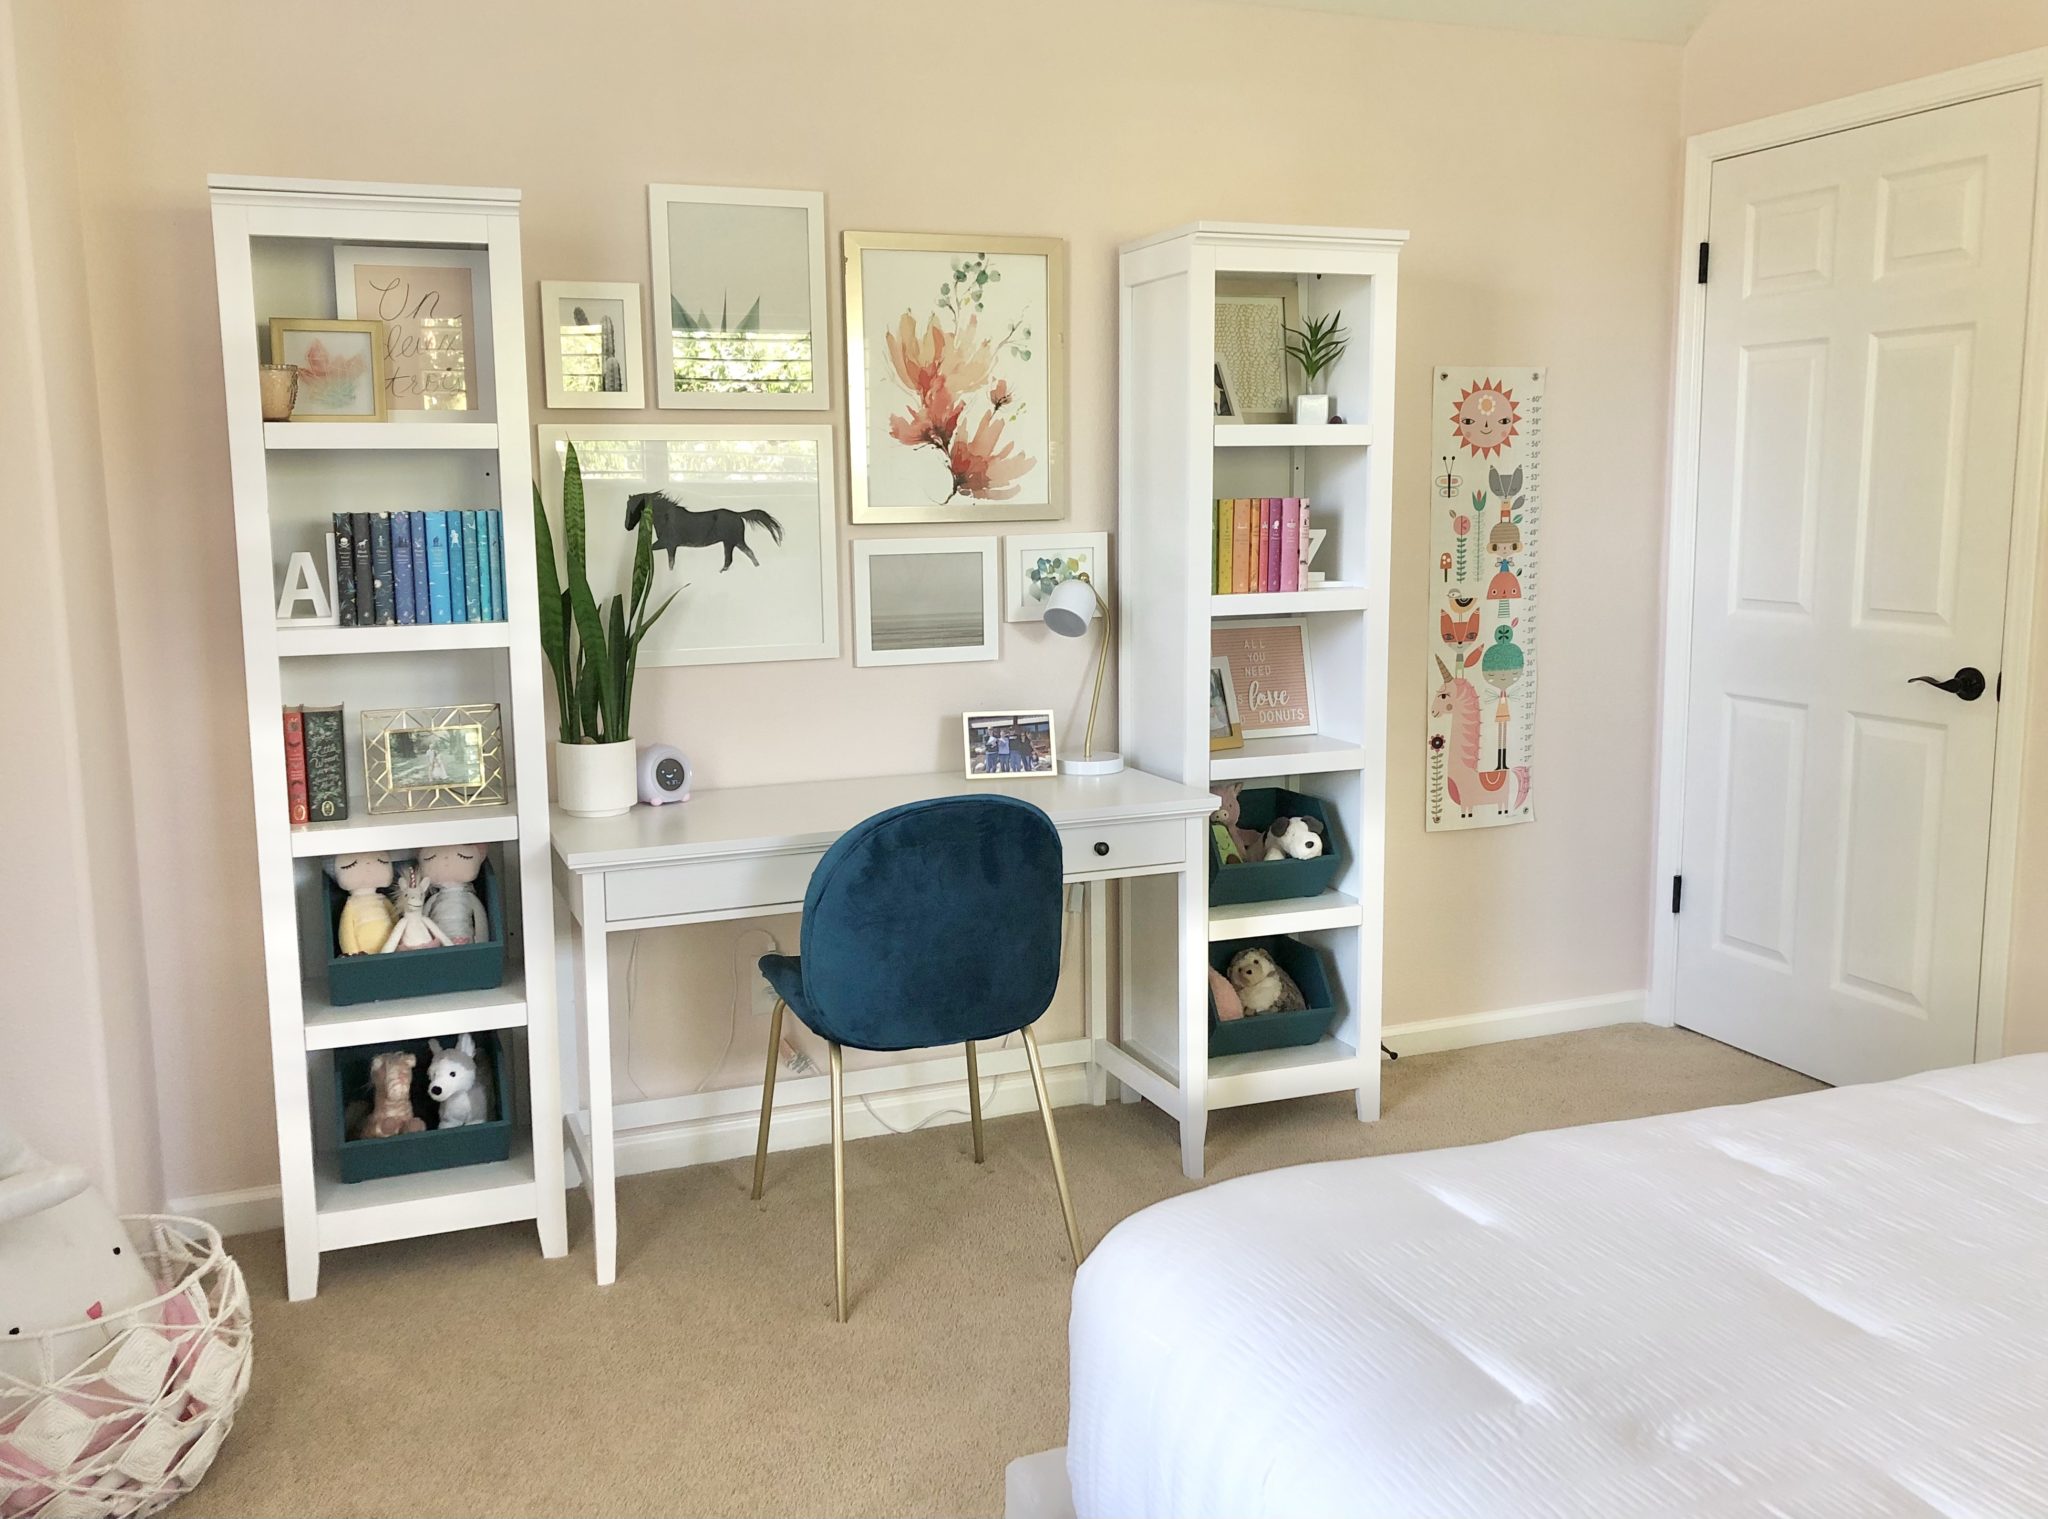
{"x": 1702, "y": 151}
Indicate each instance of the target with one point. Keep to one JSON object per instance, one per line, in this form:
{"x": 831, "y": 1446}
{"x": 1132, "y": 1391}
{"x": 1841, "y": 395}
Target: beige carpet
{"x": 466, "y": 1375}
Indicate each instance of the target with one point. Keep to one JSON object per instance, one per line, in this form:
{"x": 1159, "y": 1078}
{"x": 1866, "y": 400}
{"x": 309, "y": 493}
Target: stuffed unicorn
{"x": 65, "y": 1260}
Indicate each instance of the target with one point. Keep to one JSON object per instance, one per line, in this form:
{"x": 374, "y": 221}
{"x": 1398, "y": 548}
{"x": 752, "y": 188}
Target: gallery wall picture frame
{"x": 1271, "y": 673}
{"x": 745, "y": 525}
{"x": 956, "y": 373}
{"x": 340, "y": 364}
{"x": 738, "y": 297}
{"x": 924, "y": 601}
{"x": 1034, "y": 563}
{"x": 435, "y": 304}
{"x": 1251, "y": 356}
{"x": 590, "y": 336}
{"x": 1008, "y": 744}
{"x": 423, "y": 759}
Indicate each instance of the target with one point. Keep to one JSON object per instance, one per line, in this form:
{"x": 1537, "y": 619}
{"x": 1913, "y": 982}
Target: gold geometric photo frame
{"x": 422, "y": 759}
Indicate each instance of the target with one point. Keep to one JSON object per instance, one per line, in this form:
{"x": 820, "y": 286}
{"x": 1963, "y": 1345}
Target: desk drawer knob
{"x": 1102, "y": 846}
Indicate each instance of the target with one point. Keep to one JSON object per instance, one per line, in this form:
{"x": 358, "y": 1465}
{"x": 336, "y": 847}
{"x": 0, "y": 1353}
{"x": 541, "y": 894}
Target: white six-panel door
{"x": 1859, "y": 410}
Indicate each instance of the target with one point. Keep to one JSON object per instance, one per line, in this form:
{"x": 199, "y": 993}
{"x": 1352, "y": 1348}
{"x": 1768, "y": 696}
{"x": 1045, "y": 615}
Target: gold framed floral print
{"x": 956, "y": 359}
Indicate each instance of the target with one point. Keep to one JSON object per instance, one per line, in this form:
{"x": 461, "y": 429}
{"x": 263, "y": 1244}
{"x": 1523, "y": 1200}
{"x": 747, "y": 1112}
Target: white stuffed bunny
{"x": 458, "y": 1083}
{"x": 64, "y": 1260}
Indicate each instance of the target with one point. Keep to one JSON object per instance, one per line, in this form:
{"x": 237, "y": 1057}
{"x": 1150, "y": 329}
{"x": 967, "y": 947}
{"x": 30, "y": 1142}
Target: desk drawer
{"x": 666, "y": 891}
{"x": 1120, "y": 846}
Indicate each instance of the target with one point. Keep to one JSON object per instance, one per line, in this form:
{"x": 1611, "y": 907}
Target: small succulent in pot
{"x": 1316, "y": 346}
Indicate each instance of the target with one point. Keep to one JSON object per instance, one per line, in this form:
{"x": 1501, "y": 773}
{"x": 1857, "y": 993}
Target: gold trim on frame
{"x": 1054, "y": 251}
{"x": 386, "y": 796}
{"x": 280, "y": 325}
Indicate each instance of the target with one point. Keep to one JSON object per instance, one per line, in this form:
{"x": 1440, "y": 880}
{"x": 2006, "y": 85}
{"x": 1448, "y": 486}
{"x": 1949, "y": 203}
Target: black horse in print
{"x": 678, "y": 527}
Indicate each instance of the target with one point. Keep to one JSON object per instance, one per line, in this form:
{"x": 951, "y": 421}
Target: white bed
{"x": 1828, "y": 1305}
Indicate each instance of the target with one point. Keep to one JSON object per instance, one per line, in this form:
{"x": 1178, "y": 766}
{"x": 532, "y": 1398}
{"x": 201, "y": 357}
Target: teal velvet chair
{"x": 930, "y": 924}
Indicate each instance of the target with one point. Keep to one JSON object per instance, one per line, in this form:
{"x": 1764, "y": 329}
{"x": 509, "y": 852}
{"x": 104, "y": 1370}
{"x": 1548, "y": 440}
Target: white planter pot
{"x": 1311, "y": 409}
{"x": 597, "y": 780}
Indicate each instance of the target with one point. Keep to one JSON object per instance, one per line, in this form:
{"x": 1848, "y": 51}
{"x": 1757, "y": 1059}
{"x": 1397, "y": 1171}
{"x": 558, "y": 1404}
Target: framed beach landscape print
{"x": 956, "y": 377}
{"x": 744, "y": 524}
{"x": 435, "y": 304}
{"x": 739, "y": 298}
{"x": 924, "y": 601}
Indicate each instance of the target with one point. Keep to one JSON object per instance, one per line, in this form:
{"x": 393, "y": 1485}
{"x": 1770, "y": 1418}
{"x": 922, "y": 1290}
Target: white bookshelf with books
{"x": 1190, "y": 448}
{"x": 420, "y": 732}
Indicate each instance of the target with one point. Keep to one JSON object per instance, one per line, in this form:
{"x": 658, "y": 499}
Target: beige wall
{"x": 1754, "y": 58}
{"x": 1538, "y": 175}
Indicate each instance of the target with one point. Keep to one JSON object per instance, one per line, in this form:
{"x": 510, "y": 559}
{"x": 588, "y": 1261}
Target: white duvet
{"x": 1827, "y": 1305}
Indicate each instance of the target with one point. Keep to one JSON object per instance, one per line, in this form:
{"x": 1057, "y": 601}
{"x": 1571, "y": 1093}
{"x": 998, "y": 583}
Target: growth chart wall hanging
{"x": 1486, "y": 520}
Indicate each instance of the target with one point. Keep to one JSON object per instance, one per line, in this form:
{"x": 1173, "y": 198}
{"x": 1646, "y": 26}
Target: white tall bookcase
{"x": 274, "y": 244}
{"x": 1175, "y": 460}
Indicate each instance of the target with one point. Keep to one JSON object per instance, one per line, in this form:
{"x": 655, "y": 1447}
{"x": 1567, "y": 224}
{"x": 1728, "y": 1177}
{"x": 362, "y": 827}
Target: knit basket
{"x": 136, "y": 1426}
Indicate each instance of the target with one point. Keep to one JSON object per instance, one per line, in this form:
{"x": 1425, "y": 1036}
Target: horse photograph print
{"x": 746, "y": 526}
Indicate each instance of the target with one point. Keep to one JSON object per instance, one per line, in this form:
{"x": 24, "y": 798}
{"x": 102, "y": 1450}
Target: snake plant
{"x": 592, "y": 652}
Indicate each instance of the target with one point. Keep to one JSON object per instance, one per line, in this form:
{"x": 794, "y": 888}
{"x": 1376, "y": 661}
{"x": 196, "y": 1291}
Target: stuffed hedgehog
{"x": 1262, "y": 985}
{"x": 1294, "y": 838}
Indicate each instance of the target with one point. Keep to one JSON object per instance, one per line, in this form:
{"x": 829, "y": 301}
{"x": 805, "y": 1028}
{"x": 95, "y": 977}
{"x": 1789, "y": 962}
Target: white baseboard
{"x": 1427, "y": 1036}
{"x": 244, "y": 1212}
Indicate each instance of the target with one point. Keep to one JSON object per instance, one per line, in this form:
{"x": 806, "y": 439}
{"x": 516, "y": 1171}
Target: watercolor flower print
{"x": 329, "y": 381}
{"x": 960, "y": 401}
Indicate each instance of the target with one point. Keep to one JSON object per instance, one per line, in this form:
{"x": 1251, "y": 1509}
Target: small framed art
{"x": 340, "y": 364}
{"x": 956, "y": 377}
{"x": 590, "y": 345}
{"x": 739, "y": 298}
{"x": 435, "y": 304}
{"x": 420, "y": 759}
{"x": 1268, "y": 659}
{"x": 924, "y": 601}
{"x": 1226, "y": 729}
{"x": 1251, "y": 356}
{"x": 1035, "y": 563}
{"x": 1008, "y": 743}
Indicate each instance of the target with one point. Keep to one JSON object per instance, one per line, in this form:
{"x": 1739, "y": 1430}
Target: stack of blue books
{"x": 396, "y": 569}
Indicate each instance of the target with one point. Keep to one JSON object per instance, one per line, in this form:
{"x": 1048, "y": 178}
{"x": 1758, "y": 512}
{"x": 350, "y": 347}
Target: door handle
{"x": 1967, "y": 683}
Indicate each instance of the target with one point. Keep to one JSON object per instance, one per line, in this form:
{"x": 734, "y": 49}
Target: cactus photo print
{"x": 956, "y": 359}
{"x": 1486, "y": 438}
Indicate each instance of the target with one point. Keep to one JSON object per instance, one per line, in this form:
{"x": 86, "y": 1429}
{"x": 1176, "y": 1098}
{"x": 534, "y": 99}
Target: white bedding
{"x": 1828, "y": 1305}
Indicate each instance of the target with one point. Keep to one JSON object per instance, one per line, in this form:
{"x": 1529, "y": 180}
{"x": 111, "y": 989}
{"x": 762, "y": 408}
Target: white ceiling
{"x": 1639, "y": 20}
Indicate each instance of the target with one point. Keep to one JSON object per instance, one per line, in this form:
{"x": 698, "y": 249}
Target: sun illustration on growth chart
{"x": 1485, "y": 418}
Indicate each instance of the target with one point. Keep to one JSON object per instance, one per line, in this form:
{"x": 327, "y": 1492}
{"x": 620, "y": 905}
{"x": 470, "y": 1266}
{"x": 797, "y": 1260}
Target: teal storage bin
{"x": 1274, "y": 880}
{"x": 416, "y": 972}
{"x": 1274, "y": 1031}
{"x": 431, "y": 1149}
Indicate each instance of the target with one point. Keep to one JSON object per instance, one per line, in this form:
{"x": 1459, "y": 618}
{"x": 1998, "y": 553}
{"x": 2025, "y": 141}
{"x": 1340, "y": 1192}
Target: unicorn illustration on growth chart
{"x": 1470, "y": 787}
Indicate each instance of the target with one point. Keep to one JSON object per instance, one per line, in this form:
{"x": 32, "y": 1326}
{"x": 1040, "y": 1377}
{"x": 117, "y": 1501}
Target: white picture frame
{"x": 400, "y": 362}
{"x": 1022, "y": 598}
{"x": 1022, "y": 762}
{"x": 926, "y": 603}
{"x": 692, "y": 245}
{"x": 778, "y": 598}
{"x": 565, "y": 348}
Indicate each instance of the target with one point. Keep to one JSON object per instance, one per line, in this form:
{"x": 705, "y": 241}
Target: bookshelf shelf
{"x": 330, "y": 436}
{"x": 274, "y": 240}
{"x": 1293, "y": 435}
{"x": 1175, "y": 462}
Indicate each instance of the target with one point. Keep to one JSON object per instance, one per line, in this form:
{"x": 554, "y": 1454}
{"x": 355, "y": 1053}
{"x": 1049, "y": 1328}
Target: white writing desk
{"x": 744, "y": 852}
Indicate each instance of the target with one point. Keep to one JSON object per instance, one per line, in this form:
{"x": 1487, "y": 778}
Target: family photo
{"x": 1009, "y": 743}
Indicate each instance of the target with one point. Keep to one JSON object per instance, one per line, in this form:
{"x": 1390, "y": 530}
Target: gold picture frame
{"x": 998, "y": 434}
{"x": 423, "y": 759}
{"x": 312, "y": 383}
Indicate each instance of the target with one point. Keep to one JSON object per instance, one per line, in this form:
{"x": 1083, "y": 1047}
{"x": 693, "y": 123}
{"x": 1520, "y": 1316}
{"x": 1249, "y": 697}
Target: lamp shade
{"x": 1070, "y": 608}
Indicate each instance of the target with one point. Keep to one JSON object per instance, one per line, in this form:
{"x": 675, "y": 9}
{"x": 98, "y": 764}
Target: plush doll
{"x": 452, "y": 869}
{"x": 65, "y": 1261}
{"x": 1225, "y": 817}
{"x": 414, "y": 929}
{"x": 1293, "y": 838}
{"x": 367, "y": 916}
{"x": 391, "y": 1097}
{"x": 1262, "y": 985}
{"x": 1223, "y": 997}
{"x": 458, "y": 1083}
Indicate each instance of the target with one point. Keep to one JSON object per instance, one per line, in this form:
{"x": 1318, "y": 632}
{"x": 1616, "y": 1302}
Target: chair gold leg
{"x": 839, "y": 1179}
{"x": 1052, "y": 1141}
{"x": 768, "y": 1097}
{"x": 974, "y": 1099}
